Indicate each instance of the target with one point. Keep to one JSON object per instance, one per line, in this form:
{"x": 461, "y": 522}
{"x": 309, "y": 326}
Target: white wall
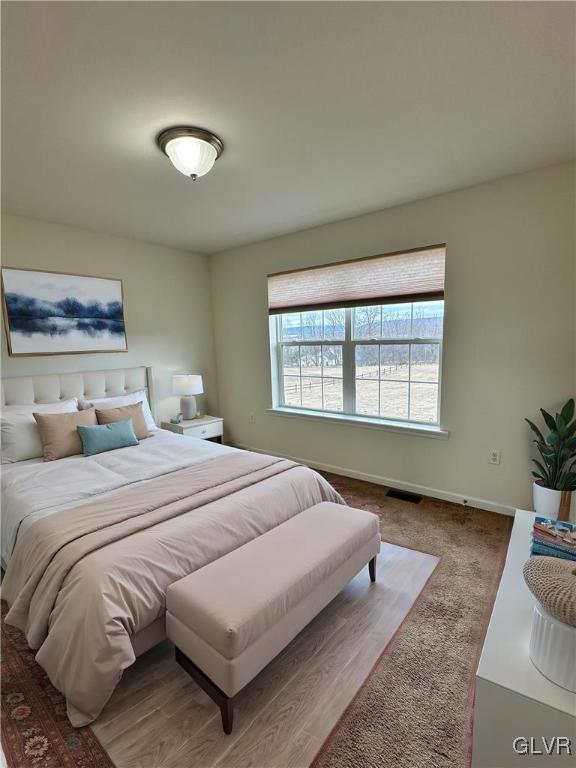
{"x": 509, "y": 334}
{"x": 166, "y": 300}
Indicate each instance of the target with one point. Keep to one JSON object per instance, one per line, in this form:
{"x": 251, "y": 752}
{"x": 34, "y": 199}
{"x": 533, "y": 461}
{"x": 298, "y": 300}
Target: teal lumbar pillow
{"x": 107, "y": 437}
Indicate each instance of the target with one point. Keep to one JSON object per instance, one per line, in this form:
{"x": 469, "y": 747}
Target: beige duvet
{"x": 82, "y": 581}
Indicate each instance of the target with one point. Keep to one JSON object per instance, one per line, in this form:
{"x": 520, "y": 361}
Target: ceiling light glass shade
{"x": 192, "y": 151}
{"x": 190, "y": 156}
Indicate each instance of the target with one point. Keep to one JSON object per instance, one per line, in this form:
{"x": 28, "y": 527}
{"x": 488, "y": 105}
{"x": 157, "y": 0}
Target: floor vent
{"x": 414, "y": 498}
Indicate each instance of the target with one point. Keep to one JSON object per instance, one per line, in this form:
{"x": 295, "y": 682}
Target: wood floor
{"x": 159, "y": 718}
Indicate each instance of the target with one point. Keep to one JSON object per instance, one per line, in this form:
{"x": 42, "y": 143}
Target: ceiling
{"x": 327, "y": 110}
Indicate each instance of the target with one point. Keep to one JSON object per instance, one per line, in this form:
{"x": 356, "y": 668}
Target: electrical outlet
{"x": 495, "y": 456}
{"x": 251, "y": 419}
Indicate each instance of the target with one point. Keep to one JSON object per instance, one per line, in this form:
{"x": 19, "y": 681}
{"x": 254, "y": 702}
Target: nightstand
{"x": 205, "y": 427}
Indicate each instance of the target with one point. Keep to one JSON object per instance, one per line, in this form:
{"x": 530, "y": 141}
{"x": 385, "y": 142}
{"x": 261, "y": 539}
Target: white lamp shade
{"x": 191, "y": 156}
{"x": 187, "y": 384}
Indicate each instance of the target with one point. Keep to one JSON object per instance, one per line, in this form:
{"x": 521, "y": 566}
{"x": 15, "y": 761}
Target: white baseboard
{"x": 436, "y": 493}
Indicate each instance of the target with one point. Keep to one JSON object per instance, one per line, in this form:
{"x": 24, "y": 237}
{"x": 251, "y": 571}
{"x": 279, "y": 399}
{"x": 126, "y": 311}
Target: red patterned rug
{"x": 35, "y": 730}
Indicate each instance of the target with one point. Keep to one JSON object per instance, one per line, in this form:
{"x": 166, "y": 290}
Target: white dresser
{"x": 513, "y": 699}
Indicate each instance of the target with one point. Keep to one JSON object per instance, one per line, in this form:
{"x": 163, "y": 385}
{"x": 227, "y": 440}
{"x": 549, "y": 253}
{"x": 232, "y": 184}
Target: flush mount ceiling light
{"x": 192, "y": 151}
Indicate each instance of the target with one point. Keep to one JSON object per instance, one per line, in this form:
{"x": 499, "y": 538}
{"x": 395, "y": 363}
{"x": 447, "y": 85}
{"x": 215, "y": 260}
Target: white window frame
{"x": 348, "y": 344}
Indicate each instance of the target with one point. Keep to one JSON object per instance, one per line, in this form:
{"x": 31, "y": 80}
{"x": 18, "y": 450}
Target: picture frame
{"x": 57, "y": 313}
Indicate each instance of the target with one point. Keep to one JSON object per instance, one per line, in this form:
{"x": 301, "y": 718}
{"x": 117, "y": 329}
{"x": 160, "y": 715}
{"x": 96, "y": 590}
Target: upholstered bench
{"x": 229, "y": 619}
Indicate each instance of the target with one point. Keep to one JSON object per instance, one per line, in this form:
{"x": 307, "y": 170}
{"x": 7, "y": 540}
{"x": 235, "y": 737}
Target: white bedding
{"x": 33, "y": 489}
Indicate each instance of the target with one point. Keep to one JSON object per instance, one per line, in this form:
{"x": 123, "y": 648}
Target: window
{"x": 380, "y": 360}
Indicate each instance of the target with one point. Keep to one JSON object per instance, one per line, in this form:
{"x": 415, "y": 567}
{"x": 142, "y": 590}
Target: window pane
{"x": 333, "y": 400}
{"x": 367, "y": 322}
{"x": 291, "y": 327}
{"x": 394, "y": 399}
{"x": 291, "y": 360}
{"x": 427, "y": 319}
{"x": 424, "y": 402}
{"x": 367, "y": 361}
{"x": 334, "y": 324}
{"x": 425, "y": 362}
{"x": 367, "y": 397}
{"x": 311, "y": 392}
{"x": 395, "y": 376}
{"x": 311, "y": 360}
{"x": 332, "y": 360}
{"x": 312, "y": 325}
{"x": 292, "y": 391}
{"x": 396, "y": 321}
{"x": 394, "y": 362}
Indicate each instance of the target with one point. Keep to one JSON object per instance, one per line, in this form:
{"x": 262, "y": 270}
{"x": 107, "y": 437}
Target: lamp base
{"x": 188, "y": 407}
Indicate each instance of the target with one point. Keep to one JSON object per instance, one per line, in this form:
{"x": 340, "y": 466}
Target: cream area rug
{"x": 159, "y": 717}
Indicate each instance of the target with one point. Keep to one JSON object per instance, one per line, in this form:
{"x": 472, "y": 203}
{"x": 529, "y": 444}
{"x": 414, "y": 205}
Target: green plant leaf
{"x": 550, "y": 421}
{"x": 566, "y": 481}
{"x": 548, "y": 453}
{"x": 535, "y": 429}
{"x": 568, "y": 411}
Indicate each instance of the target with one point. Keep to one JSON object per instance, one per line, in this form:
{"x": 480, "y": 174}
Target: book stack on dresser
{"x": 553, "y": 538}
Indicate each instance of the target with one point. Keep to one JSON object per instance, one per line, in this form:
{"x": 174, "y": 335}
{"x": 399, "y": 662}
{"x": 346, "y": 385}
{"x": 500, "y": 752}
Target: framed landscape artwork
{"x": 50, "y": 313}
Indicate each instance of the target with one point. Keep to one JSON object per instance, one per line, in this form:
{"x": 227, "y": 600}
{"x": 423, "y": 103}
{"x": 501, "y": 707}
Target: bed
{"x": 90, "y": 544}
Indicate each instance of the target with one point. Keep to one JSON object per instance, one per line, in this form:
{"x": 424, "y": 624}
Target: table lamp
{"x": 187, "y": 385}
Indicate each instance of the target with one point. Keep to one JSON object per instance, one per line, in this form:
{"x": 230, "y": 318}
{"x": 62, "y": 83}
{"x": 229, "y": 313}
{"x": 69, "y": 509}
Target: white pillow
{"x": 104, "y": 403}
{"x": 19, "y": 431}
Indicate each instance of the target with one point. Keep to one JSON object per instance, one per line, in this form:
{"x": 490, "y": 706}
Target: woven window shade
{"x": 416, "y": 275}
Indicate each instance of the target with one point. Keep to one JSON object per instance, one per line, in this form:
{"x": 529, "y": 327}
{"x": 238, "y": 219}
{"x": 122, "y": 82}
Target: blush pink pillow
{"x": 122, "y": 413}
{"x": 58, "y": 432}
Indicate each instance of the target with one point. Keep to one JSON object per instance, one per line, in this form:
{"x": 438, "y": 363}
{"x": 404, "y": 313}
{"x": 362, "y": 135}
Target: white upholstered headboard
{"x": 50, "y": 388}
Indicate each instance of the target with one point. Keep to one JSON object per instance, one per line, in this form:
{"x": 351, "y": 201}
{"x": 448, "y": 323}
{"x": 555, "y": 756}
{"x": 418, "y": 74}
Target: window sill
{"x": 401, "y": 427}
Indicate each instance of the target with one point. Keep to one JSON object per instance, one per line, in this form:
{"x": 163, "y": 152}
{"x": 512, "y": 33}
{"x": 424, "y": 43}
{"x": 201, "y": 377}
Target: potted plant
{"x": 555, "y": 475}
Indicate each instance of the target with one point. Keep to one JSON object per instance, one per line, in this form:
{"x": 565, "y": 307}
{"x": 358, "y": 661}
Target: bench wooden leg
{"x": 227, "y": 711}
{"x": 226, "y": 703}
{"x": 372, "y": 569}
